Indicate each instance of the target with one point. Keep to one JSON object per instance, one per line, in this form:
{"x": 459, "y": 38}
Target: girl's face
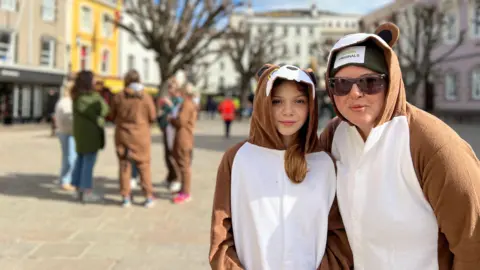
{"x": 289, "y": 108}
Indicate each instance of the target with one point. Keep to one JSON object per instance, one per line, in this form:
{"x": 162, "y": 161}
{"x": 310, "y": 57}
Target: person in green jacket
{"x": 89, "y": 112}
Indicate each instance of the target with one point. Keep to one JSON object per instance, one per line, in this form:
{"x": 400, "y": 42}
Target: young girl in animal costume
{"x": 408, "y": 186}
{"x": 274, "y": 192}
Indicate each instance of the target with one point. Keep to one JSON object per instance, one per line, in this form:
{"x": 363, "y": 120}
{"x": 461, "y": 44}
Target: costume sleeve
{"x": 184, "y": 115}
{"x": 451, "y": 183}
{"x": 338, "y": 255}
{"x": 152, "y": 115}
{"x": 223, "y": 255}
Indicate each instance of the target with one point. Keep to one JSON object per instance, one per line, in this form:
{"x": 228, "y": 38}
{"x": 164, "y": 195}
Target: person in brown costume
{"x": 184, "y": 124}
{"x": 133, "y": 111}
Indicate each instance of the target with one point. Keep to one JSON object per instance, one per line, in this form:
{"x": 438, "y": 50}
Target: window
{"x": 285, "y": 30}
{"x": 9, "y": 5}
{"x": 299, "y": 30}
{"x": 146, "y": 69}
{"x": 86, "y": 19}
{"x": 5, "y": 42}
{"x": 84, "y": 57}
{"x": 476, "y": 19}
{"x": 451, "y": 87}
{"x": 450, "y": 26}
{"x": 311, "y": 30}
{"x": 131, "y": 62}
{"x": 48, "y": 10}
{"x": 339, "y": 24}
{"x": 476, "y": 84}
{"x": 47, "y": 52}
{"x": 107, "y": 25}
{"x": 105, "y": 64}
{"x": 285, "y": 49}
{"x": 221, "y": 82}
{"x": 131, "y": 38}
{"x": 297, "y": 49}
{"x": 222, "y": 65}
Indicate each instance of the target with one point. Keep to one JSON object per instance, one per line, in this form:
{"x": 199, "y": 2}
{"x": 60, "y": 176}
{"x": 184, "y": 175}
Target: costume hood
{"x": 385, "y": 37}
{"x": 262, "y": 128}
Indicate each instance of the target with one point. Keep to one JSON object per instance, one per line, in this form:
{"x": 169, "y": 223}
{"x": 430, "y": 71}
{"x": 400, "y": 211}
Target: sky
{"x": 341, "y": 6}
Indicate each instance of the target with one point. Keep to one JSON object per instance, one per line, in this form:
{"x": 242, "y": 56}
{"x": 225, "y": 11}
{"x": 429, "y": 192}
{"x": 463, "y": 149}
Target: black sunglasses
{"x": 369, "y": 84}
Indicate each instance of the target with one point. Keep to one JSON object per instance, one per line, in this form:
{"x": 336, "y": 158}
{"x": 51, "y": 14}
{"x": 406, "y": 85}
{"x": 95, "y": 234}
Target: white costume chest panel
{"x": 278, "y": 224}
{"x": 390, "y": 225}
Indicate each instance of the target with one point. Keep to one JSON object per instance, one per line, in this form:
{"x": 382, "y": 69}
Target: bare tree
{"x": 249, "y": 52}
{"x": 424, "y": 29}
{"x": 180, "y": 32}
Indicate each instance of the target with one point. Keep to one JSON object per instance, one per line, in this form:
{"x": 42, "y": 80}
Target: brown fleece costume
{"x": 183, "y": 145}
{"x": 445, "y": 165}
{"x": 223, "y": 254}
{"x": 133, "y": 112}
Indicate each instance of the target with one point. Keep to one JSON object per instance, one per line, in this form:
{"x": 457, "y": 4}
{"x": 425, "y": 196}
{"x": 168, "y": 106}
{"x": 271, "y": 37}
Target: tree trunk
{"x": 163, "y": 75}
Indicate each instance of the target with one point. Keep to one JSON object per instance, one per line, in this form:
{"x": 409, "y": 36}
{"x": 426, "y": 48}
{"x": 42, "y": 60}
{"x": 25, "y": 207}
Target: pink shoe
{"x": 181, "y": 198}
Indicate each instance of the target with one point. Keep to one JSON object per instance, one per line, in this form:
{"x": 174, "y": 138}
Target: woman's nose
{"x": 355, "y": 92}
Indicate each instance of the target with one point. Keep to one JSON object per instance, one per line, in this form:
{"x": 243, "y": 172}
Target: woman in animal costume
{"x": 133, "y": 111}
{"x": 408, "y": 187}
{"x": 274, "y": 192}
{"x": 182, "y": 149}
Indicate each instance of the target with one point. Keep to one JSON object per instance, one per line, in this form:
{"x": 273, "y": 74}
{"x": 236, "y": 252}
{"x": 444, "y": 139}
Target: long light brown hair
{"x": 295, "y": 162}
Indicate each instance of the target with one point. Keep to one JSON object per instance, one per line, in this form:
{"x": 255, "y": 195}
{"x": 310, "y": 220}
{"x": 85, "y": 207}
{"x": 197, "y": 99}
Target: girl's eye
{"x": 276, "y": 101}
{"x": 301, "y": 101}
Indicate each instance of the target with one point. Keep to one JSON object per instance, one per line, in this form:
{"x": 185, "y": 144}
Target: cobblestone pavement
{"x": 42, "y": 227}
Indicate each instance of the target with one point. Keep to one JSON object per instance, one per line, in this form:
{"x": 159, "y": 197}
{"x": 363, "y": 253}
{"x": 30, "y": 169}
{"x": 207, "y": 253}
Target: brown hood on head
{"x": 262, "y": 128}
{"x": 386, "y": 36}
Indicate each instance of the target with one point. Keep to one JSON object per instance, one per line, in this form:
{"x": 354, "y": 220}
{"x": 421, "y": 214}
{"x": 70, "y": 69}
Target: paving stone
{"x": 67, "y": 264}
{"x": 60, "y": 250}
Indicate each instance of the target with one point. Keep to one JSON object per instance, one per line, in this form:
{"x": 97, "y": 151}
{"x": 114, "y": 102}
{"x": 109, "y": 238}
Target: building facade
{"x": 299, "y": 30}
{"x": 454, "y": 90}
{"x": 32, "y": 58}
{"x": 132, "y": 55}
{"x": 93, "y": 39}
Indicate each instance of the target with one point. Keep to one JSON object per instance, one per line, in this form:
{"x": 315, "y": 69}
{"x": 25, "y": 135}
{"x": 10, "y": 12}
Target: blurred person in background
{"x": 227, "y": 111}
{"x": 167, "y": 106}
{"x": 133, "y": 112}
{"x": 64, "y": 122}
{"x": 89, "y": 112}
{"x": 182, "y": 149}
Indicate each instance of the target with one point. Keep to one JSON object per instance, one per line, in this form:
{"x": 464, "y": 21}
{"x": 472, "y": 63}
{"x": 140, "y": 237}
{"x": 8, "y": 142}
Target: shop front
{"x": 28, "y": 95}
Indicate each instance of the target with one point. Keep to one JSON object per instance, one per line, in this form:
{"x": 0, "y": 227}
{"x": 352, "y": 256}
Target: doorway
{"x": 6, "y": 103}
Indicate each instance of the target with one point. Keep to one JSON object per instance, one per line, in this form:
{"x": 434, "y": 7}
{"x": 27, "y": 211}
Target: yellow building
{"x": 94, "y": 39}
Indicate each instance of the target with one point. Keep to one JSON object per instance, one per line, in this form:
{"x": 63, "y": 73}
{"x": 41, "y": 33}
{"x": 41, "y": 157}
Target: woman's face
{"x": 360, "y": 109}
{"x": 289, "y": 108}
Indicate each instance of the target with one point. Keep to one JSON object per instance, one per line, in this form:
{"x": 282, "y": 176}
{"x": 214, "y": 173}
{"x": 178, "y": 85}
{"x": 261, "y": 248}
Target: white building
{"x": 134, "y": 56}
{"x": 299, "y": 29}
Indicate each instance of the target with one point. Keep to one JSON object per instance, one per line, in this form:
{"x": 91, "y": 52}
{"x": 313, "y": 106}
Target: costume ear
{"x": 262, "y": 70}
{"x": 310, "y": 73}
{"x": 389, "y": 32}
